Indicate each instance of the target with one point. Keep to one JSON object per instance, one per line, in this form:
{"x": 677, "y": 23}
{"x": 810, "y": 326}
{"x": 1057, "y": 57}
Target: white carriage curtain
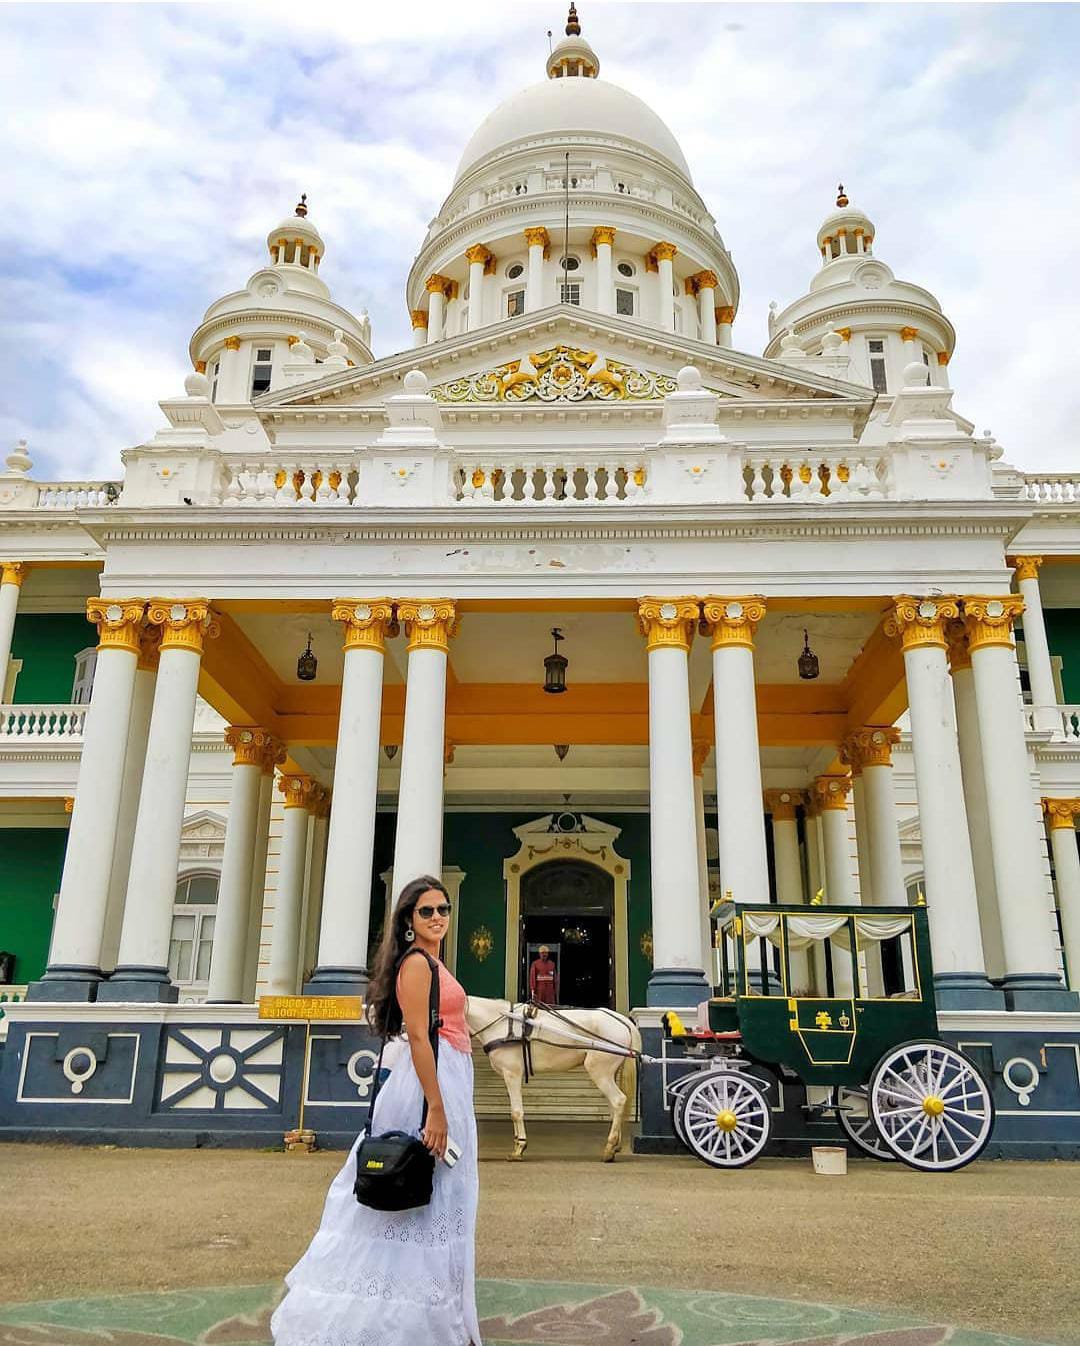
{"x": 802, "y": 931}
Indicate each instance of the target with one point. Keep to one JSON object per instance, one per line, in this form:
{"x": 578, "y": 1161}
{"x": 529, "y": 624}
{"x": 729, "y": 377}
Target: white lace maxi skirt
{"x": 378, "y": 1278}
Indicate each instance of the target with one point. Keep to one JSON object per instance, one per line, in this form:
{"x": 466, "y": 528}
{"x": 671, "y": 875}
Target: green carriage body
{"x": 825, "y": 1040}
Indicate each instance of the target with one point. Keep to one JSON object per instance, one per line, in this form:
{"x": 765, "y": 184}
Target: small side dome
{"x": 573, "y": 55}
{"x": 296, "y": 239}
{"x": 844, "y": 230}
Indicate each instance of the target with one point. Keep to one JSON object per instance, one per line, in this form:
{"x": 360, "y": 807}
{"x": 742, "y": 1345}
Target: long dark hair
{"x": 383, "y": 1010}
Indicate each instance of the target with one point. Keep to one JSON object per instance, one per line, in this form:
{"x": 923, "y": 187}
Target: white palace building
{"x": 819, "y": 638}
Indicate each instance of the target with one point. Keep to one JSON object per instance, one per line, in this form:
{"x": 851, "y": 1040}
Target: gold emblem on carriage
{"x": 844, "y": 1021}
{"x": 823, "y": 1019}
{"x": 825, "y": 1028}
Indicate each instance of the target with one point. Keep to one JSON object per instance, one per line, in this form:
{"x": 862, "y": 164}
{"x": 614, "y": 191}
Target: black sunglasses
{"x": 426, "y": 913}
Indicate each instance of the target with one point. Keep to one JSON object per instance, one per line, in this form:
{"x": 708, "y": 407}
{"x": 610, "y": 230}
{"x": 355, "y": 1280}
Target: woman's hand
{"x": 436, "y": 1131}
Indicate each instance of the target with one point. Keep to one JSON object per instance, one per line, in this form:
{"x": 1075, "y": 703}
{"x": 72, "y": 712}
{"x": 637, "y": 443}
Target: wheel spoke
{"x": 955, "y": 1121}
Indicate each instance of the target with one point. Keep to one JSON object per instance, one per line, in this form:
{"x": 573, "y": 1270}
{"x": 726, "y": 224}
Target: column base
{"x": 67, "y": 983}
{"x": 1038, "y": 992}
{"x": 966, "y": 991}
{"x": 145, "y": 985}
{"x": 337, "y": 981}
{"x": 677, "y": 987}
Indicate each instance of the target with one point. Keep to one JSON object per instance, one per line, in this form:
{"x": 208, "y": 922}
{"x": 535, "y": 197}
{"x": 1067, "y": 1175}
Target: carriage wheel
{"x": 726, "y": 1119}
{"x": 931, "y": 1106}
{"x": 853, "y": 1118}
{"x": 678, "y": 1116}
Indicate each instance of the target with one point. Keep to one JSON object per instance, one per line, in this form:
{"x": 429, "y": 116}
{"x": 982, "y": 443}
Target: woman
{"x": 377, "y": 1278}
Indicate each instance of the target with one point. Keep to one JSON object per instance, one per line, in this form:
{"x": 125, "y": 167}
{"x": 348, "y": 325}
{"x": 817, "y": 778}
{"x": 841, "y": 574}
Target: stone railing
{"x": 287, "y": 479}
{"x": 1063, "y": 722}
{"x": 816, "y": 478}
{"x": 9, "y": 995}
{"x": 1052, "y": 488}
{"x": 37, "y": 724}
{"x": 77, "y": 494}
{"x": 547, "y": 479}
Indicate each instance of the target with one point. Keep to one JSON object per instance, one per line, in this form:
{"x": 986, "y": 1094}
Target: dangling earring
{"x": 410, "y": 935}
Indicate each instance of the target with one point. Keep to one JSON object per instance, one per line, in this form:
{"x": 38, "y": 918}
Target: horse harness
{"x": 521, "y": 1033}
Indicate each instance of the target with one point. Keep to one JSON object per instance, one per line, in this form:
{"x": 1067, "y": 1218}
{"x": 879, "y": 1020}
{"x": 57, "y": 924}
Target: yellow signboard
{"x": 311, "y": 1007}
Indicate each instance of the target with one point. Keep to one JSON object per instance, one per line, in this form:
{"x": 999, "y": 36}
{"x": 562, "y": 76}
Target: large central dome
{"x": 557, "y": 108}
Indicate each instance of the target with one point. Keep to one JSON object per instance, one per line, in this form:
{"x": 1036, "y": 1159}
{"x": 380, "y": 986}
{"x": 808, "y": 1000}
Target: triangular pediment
{"x": 564, "y": 356}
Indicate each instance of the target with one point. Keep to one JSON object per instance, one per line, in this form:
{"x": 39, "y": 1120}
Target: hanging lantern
{"x": 808, "y": 660}
{"x": 307, "y": 665}
{"x": 561, "y": 749}
{"x": 555, "y": 666}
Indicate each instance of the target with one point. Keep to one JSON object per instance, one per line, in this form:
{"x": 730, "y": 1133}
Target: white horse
{"x": 555, "y": 1044}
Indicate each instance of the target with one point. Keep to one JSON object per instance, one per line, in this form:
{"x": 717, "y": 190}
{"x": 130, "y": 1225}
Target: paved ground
{"x": 770, "y": 1253}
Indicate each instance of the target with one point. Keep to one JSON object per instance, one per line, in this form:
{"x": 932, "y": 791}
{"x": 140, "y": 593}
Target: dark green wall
{"x": 1063, "y": 635}
{"x": 31, "y": 859}
{"x": 47, "y": 643}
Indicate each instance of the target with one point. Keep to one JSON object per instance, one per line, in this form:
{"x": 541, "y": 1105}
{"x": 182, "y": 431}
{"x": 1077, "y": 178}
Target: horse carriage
{"x": 867, "y": 1049}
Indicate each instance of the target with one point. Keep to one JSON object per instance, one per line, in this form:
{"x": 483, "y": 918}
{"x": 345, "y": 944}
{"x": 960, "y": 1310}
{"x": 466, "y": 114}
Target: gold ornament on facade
{"x": 274, "y": 755}
{"x": 118, "y": 620}
{"x": 831, "y": 792}
{"x": 989, "y": 621}
{"x": 481, "y": 943}
{"x": 367, "y": 622}
{"x": 645, "y": 944}
{"x": 186, "y": 622}
{"x": 1025, "y": 567}
{"x": 538, "y": 238}
{"x": 1061, "y": 813}
{"x": 603, "y": 233}
{"x": 13, "y": 572}
{"x": 781, "y": 804}
{"x": 844, "y": 333}
{"x": 149, "y": 648}
{"x": 725, "y": 315}
{"x": 478, "y": 253}
{"x": 200, "y": 366}
{"x": 943, "y": 357}
{"x": 69, "y": 803}
{"x": 429, "y": 623}
{"x": 732, "y": 621}
{"x": 668, "y": 623}
{"x": 870, "y": 746}
{"x": 300, "y": 791}
{"x": 418, "y": 317}
{"x": 908, "y": 333}
{"x": 248, "y": 743}
{"x": 561, "y": 374}
{"x": 701, "y": 280}
{"x": 664, "y": 252}
{"x": 436, "y": 284}
{"x": 957, "y": 644}
{"x": 920, "y": 622}
{"x": 232, "y": 343}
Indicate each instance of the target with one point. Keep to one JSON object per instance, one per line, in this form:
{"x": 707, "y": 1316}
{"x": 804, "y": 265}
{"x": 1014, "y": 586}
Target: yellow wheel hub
{"x": 933, "y": 1106}
{"x": 726, "y": 1120}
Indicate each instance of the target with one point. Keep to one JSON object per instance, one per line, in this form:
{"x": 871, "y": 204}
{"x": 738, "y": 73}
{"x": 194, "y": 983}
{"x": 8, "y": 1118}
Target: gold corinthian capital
{"x": 920, "y": 622}
{"x": 831, "y": 792}
{"x": 249, "y": 744}
{"x": 781, "y": 804}
{"x": 1025, "y": 567}
{"x": 869, "y": 746}
{"x": 301, "y": 792}
{"x": 668, "y": 623}
{"x": 366, "y": 621}
{"x": 732, "y": 621}
{"x": 118, "y": 620}
{"x": 430, "y": 623}
{"x": 13, "y": 572}
{"x": 1061, "y": 813}
{"x": 185, "y": 622}
{"x": 989, "y": 621}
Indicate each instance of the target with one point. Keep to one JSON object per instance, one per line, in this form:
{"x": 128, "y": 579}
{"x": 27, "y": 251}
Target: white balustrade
{"x": 548, "y": 479}
{"x": 9, "y": 995}
{"x": 77, "y": 494}
{"x": 290, "y": 479}
{"x": 1053, "y": 488}
{"x": 814, "y": 478}
{"x": 1067, "y": 726}
{"x": 33, "y": 723}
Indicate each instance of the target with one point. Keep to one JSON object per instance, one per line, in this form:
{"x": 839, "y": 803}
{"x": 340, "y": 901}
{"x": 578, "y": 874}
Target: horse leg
{"x": 602, "y": 1070}
{"x": 513, "y": 1080}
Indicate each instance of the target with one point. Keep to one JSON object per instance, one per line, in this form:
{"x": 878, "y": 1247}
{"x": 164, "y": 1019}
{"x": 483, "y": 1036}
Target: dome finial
{"x": 301, "y": 205}
{"x": 841, "y": 199}
{"x": 573, "y": 27}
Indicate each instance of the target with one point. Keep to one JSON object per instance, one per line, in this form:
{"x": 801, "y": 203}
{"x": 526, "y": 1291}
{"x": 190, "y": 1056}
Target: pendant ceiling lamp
{"x": 555, "y": 666}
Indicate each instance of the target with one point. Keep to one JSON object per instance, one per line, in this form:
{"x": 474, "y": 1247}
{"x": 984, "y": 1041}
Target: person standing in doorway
{"x": 402, "y": 1278}
{"x": 544, "y": 978}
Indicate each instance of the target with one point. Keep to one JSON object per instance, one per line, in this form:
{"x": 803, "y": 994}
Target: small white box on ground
{"x": 829, "y": 1159}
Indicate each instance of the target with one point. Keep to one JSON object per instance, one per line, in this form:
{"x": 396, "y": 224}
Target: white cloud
{"x": 150, "y": 148}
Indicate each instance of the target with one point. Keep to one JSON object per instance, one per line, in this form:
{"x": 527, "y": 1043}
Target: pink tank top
{"x": 452, "y": 1002}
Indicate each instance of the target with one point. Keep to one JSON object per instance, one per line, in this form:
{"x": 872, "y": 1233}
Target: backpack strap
{"x": 434, "y": 1024}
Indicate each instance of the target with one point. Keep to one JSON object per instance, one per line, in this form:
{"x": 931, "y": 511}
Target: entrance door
{"x": 569, "y": 906}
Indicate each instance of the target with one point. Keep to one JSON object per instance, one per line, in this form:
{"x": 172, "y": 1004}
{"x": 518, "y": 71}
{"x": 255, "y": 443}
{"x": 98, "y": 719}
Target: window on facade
{"x": 624, "y": 302}
{"x": 261, "y": 371}
{"x": 214, "y": 370}
{"x": 515, "y": 303}
{"x": 85, "y": 664}
{"x": 512, "y": 272}
{"x": 878, "y": 379}
{"x": 570, "y": 292}
{"x": 192, "y": 938}
{"x": 625, "y": 269}
{"x": 569, "y": 263}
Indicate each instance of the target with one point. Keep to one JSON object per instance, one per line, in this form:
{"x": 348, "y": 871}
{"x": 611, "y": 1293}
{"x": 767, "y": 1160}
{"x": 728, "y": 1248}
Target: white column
{"x": 1044, "y": 697}
{"x": 950, "y": 878}
{"x": 725, "y": 316}
{"x": 910, "y": 355}
{"x": 603, "y": 236}
{"x": 971, "y": 766}
{"x": 418, "y": 839}
{"x": 138, "y": 737}
{"x": 232, "y": 384}
{"x": 299, "y": 792}
{"x": 831, "y": 799}
{"x": 436, "y": 287}
{"x": 249, "y": 745}
{"x": 538, "y": 242}
{"x": 12, "y": 574}
{"x": 1061, "y": 815}
{"x": 740, "y": 817}
{"x": 253, "y": 944}
{"x": 886, "y": 862}
{"x": 706, "y": 283}
{"x": 419, "y": 326}
{"x": 480, "y": 263}
{"x": 74, "y": 971}
{"x": 862, "y": 839}
{"x": 142, "y": 965}
{"x": 702, "y": 861}
{"x": 677, "y": 977}
{"x": 343, "y": 932}
{"x": 781, "y": 805}
{"x": 664, "y": 253}
{"x": 1031, "y": 979}
{"x": 319, "y": 828}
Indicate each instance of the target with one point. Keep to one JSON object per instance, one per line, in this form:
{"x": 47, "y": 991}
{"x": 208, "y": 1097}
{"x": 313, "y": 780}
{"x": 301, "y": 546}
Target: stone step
{"x": 562, "y": 1096}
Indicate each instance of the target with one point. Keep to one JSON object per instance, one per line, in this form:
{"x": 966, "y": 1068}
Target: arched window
{"x": 194, "y": 913}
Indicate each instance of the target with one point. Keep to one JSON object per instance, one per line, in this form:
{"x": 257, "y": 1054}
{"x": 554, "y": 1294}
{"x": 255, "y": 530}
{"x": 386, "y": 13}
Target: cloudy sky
{"x": 149, "y": 148}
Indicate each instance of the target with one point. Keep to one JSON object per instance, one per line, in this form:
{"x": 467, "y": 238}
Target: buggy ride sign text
{"x": 310, "y": 1007}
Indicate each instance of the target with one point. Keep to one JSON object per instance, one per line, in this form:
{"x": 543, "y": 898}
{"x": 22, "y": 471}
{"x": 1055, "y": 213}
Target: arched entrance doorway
{"x": 569, "y": 905}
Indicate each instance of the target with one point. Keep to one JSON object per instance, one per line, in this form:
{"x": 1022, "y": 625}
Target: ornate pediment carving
{"x": 559, "y": 374}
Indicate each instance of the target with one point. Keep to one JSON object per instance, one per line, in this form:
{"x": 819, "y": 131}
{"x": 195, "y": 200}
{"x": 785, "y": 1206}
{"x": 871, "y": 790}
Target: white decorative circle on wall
{"x": 1023, "y": 1089}
{"x": 363, "y": 1082}
{"x": 222, "y": 1068}
{"x": 79, "y": 1066}
{"x": 871, "y": 277}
